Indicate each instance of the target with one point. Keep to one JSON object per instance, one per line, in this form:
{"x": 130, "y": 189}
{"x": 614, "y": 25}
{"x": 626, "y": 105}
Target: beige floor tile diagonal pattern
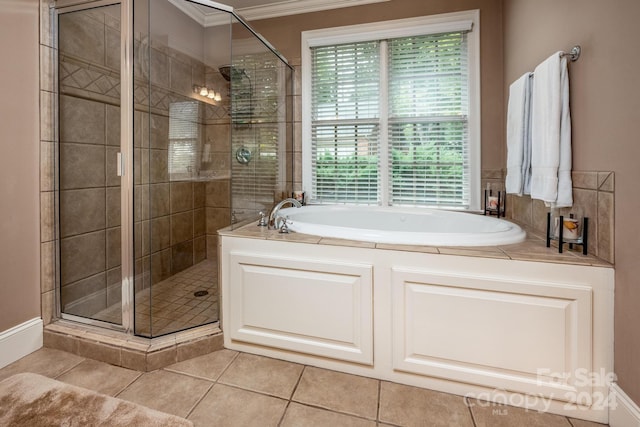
{"x": 227, "y": 388}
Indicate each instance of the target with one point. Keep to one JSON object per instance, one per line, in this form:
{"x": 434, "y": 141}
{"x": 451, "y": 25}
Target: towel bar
{"x": 573, "y": 54}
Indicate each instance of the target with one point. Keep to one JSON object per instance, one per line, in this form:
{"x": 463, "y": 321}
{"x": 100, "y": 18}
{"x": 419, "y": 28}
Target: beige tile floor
{"x": 170, "y": 306}
{"x": 227, "y": 388}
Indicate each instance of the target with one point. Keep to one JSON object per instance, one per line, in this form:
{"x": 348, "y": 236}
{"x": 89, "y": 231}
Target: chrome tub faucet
{"x": 274, "y": 221}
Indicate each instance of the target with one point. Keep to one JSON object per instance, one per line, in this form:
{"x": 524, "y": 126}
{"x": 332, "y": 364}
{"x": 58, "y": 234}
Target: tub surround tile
{"x": 605, "y": 231}
{"x": 293, "y": 237}
{"x": 411, "y": 406}
{"x": 606, "y": 181}
{"x": 539, "y": 216}
{"x": 345, "y": 242}
{"x": 339, "y": 392}
{"x": 588, "y": 189}
{"x": 532, "y": 249}
{"x": 493, "y": 253}
{"x": 585, "y": 180}
{"x": 408, "y": 248}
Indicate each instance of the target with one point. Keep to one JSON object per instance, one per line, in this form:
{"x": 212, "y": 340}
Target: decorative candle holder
{"x": 495, "y": 205}
{"x": 568, "y": 230}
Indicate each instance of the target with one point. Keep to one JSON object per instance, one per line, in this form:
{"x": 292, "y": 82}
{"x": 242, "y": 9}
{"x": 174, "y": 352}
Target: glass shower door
{"x": 181, "y": 159}
{"x": 89, "y": 188}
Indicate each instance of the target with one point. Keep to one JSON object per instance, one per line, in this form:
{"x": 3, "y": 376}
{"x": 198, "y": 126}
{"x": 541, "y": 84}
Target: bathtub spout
{"x": 274, "y": 221}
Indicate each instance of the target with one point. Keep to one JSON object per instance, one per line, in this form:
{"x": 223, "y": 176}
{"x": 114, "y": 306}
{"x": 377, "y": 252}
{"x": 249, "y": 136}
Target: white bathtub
{"x": 403, "y": 226}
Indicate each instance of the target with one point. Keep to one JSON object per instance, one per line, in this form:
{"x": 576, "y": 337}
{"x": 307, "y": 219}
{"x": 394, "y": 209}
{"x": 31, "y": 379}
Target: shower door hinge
{"x": 120, "y": 164}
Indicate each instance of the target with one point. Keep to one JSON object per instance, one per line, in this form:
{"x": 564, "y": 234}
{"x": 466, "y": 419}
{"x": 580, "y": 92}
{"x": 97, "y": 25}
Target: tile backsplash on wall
{"x": 593, "y": 197}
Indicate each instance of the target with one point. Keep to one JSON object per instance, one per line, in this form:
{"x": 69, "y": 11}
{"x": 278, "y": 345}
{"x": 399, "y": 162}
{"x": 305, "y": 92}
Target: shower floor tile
{"x": 172, "y": 305}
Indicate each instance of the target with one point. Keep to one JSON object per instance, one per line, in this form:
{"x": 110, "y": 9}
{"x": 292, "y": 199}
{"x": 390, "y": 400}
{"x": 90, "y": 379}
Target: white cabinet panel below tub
{"x": 302, "y": 305}
{"x": 506, "y": 334}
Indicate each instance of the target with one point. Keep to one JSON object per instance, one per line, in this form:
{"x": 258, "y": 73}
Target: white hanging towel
{"x": 551, "y": 133}
{"x": 519, "y": 137}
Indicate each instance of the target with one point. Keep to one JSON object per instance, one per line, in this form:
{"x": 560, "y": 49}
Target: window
{"x": 184, "y": 137}
{"x": 391, "y": 113}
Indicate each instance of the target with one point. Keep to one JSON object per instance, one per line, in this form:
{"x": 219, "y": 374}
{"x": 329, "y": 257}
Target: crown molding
{"x": 295, "y": 7}
{"x": 273, "y": 10}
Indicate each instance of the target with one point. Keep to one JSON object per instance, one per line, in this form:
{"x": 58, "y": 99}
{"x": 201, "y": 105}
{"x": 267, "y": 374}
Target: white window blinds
{"x": 428, "y": 112}
{"x": 345, "y": 123}
{"x": 184, "y": 140}
{"x": 392, "y": 115}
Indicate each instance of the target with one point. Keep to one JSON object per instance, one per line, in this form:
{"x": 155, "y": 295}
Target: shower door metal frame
{"x": 125, "y": 165}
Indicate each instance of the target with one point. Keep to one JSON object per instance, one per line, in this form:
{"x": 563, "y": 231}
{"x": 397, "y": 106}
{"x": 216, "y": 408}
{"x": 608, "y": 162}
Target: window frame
{"x": 433, "y": 24}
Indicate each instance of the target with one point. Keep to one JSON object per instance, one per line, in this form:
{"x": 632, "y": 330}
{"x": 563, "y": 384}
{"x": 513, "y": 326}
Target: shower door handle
{"x": 119, "y": 164}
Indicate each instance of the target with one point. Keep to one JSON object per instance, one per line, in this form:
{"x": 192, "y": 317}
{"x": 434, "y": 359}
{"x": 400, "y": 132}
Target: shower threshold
{"x": 185, "y": 325}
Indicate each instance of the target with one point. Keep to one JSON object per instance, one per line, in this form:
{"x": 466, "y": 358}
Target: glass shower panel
{"x": 261, "y": 126}
{"x": 181, "y": 195}
{"x": 89, "y": 188}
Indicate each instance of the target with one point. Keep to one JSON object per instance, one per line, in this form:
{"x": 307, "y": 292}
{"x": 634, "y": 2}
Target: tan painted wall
{"x": 19, "y": 164}
{"x": 605, "y": 109}
{"x": 284, "y": 34}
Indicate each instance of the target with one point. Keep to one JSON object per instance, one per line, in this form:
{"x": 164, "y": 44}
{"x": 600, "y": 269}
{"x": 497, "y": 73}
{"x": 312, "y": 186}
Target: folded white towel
{"x": 519, "y": 137}
{"x": 551, "y": 133}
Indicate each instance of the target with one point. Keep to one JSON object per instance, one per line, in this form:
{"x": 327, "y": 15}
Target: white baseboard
{"x": 20, "y": 340}
{"x": 624, "y": 412}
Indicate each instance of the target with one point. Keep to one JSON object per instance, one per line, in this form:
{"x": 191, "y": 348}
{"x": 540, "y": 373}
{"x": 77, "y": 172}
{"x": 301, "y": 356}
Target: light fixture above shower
{"x": 207, "y": 92}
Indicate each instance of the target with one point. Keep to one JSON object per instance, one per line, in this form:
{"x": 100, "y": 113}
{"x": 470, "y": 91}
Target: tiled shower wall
{"x": 48, "y": 149}
{"x": 183, "y": 215}
{"x": 593, "y": 197}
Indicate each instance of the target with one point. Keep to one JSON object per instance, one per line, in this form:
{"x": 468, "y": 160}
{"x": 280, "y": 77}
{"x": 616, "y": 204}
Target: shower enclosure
{"x": 174, "y": 120}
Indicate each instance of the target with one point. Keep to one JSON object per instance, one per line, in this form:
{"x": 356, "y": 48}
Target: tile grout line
{"x": 467, "y": 404}
{"x": 378, "y": 408}
{"x": 142, "y": 374}
{"x": 195, "y": 405}
{"x": 290, "y": 400}
{"x": 131, "y": 382}
{"x": 67, "y": 370}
